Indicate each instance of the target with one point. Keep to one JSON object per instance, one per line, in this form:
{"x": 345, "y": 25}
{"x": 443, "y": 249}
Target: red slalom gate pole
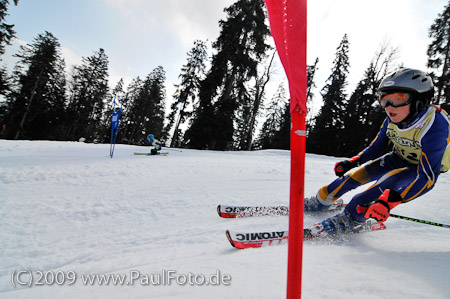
{"x": 288, "y": 22}
{"x": 296, "y": 205}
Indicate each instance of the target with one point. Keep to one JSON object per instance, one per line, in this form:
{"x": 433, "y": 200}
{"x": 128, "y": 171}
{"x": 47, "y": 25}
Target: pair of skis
{"x": 259, "y": 239}
{"x": 149, "y": 154}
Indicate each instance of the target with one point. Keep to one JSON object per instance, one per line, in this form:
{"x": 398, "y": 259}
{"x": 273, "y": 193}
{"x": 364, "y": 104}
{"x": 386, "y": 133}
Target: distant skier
{"x": 156, "y": 143}
{"x": 419, "y": 134}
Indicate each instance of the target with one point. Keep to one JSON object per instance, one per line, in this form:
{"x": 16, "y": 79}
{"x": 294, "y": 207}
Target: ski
{"x": 148, "y": 154}
{"x": 269, "y": 238}
{"x": 257, "y": 211}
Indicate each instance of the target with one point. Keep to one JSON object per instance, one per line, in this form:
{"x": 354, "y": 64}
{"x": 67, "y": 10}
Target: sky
{"x": 140, "y": 35}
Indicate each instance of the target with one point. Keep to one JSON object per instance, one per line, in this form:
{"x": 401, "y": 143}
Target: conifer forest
{"x": 220, "y": 101}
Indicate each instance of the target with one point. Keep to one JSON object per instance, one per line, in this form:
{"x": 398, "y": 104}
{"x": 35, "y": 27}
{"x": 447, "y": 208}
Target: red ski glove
{"x": 340, "y": 168}
{"x": 380, "y": 208}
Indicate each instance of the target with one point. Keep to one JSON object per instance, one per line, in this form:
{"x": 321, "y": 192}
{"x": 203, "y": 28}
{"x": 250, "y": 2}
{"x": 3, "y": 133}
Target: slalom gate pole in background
{"x": 111, "y": 149}
{"x": 114, "y": 142}
{"x": 115, "y": 118}
{"x": 288, "y": 23}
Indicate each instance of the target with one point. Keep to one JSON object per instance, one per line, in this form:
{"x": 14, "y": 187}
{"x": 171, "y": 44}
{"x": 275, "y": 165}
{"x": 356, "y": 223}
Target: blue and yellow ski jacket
{"x": 424, "y": 142}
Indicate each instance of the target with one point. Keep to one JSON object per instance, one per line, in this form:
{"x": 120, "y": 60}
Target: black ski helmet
{"x": 415, "y": 82}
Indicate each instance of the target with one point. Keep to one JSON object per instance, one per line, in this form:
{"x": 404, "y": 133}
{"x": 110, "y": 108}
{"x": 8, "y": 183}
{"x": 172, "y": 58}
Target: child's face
{"x": 398, "y": 114}
{"x": 396, "y": 105}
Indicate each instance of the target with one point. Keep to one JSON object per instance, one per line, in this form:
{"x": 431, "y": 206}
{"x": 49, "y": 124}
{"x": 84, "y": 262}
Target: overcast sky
{"x": 139, "y": 35}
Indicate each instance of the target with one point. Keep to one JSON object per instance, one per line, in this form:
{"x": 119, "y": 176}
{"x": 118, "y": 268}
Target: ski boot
{"x": 313, "y": 204}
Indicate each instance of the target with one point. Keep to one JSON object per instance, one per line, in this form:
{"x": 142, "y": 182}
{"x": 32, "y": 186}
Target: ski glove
{"x": 340, "y": 168}
{"x": 380, "y": 208}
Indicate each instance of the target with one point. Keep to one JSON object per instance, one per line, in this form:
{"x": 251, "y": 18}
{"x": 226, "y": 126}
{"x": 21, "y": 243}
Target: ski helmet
{"x": 416, "y": 83}
{"x": 150, "y": 137}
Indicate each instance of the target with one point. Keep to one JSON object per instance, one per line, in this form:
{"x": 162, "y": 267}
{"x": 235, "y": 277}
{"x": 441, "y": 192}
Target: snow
{"x": 68, "y": 208}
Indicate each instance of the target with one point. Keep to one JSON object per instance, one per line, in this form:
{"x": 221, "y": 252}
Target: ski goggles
{"x": 396, "y": 99}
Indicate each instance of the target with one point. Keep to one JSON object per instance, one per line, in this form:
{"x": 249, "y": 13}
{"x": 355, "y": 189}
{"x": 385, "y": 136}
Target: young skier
{"x": 156, "y": 143}
{"x": 419, "y": 134}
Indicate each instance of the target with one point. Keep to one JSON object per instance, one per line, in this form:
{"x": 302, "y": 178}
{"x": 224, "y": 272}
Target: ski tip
{"x": 225, "y": 214}
{"x": 230, "y": 239}
{"x": 218, "y": 211}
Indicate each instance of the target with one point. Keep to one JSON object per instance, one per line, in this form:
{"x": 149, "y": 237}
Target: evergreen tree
{"x": 240, "y": 46}
{"x": 130, "y": 115}
{"x": 282, "y": 137}
{"x": 146, "y": 110}
{"x": 246, "y": 122}
{"x": 56, "y": 115}
{"x": 201, "y": 128}
{"x": 155, "y": 93}
{"x": 439, "y": 55}
{"x": 363, "y": 114}
{"x": 4, "y": 88}
{"x": 36, "y": 107}
{"x": 268, "y": 136}
{"x": 276, "y": 129}
{"x": 117, "y": 91}
{"x": 311, "y": 71}
{"x": 242, "y": 121}
{"x": 191, "y": 75}
{"x": 325, "y": 137}
{"x": 7, "y": 33}
{"x": 89, "y": 92}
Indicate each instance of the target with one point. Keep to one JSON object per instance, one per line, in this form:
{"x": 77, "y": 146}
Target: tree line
{"x": 219, "y": 100}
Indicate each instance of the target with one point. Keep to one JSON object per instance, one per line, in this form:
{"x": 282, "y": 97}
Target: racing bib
{"x": 408, "y": 142}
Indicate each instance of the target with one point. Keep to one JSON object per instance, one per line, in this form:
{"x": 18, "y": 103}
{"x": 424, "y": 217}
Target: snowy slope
{"x": 67, "y": 206}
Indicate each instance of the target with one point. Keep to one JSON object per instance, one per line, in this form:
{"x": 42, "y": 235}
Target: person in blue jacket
{"x": 419, "y": 134}
{"x": 156, "y": 144}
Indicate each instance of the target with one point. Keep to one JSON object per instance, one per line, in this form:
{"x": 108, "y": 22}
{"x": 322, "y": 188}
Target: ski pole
{"x": 420, "y": 221}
